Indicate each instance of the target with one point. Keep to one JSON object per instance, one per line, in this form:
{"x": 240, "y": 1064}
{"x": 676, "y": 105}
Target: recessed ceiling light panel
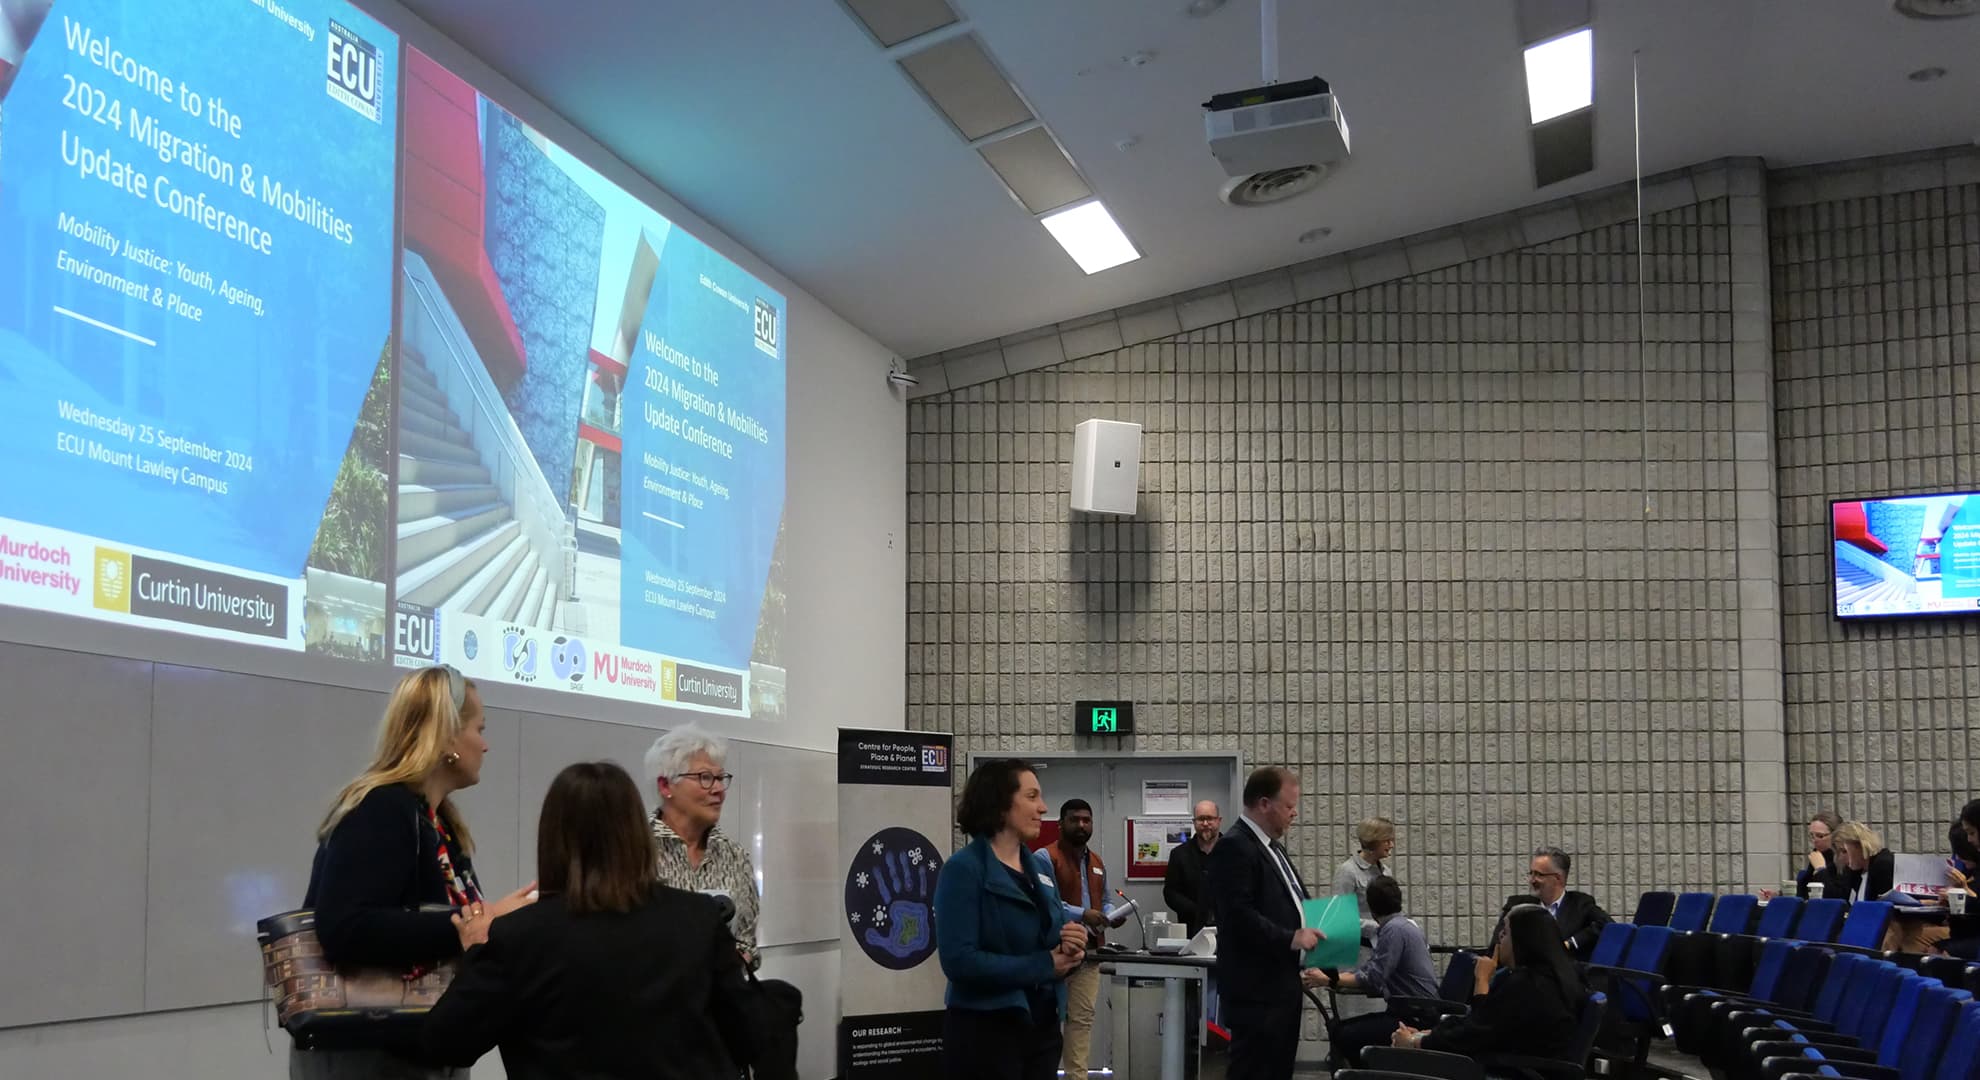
{"x": 1560, "y": 75}
{"x": 1090, "y": 236}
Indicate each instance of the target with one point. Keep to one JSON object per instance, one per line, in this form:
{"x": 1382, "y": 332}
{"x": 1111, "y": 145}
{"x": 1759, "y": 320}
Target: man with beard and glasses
{"x": 1082, "y": 881}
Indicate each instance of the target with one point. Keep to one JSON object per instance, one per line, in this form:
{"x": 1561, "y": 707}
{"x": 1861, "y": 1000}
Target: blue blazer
{"x": 995, "y": 942}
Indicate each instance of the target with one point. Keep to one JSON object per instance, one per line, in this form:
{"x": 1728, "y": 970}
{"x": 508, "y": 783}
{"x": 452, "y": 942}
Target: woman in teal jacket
{"x": 1001, "y": 935}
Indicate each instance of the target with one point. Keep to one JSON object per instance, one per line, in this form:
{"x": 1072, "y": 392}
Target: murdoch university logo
{"x": 351, "y": 71}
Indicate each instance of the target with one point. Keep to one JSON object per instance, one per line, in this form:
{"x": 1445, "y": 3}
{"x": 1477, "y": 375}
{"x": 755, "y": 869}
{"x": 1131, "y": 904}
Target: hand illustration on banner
{"x": 890, "y": 890}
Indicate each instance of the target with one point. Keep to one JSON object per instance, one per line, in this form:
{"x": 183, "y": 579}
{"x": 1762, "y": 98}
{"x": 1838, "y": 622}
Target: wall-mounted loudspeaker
{"x": 1106, "y": 470}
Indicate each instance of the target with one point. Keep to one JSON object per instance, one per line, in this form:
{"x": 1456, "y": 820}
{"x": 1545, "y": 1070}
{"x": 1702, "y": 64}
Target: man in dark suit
{"x": 1581, "y": 919}
{"x": 1260, "y": 933}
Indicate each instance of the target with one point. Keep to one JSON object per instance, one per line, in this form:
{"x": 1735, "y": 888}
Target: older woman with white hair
{"x": 693, "y": 853}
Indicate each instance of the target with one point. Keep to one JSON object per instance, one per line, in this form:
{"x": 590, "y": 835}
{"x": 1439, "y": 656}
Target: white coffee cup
{"x": 1956, "y": 901}
{"x": 1815, "y": 890}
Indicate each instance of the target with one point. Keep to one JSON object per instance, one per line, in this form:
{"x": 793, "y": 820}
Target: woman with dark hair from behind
{"x": 1531, "y": 1011}
{"x": 610, "y": 974}
{"x": 1003, "y": 940}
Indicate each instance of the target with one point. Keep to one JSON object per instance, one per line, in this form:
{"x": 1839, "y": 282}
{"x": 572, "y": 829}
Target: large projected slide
{"x": 591, "y": 426}
{"x": 562, "y": 464}
{"x": 196, "y": 255}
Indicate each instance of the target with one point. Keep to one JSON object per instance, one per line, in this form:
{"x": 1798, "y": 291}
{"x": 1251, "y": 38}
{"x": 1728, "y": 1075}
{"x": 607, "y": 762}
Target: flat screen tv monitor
{"x": 1913, "y": 556}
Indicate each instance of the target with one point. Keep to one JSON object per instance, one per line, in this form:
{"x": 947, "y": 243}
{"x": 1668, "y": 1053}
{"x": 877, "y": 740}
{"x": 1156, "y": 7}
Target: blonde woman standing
{"x": 393, "y": 844}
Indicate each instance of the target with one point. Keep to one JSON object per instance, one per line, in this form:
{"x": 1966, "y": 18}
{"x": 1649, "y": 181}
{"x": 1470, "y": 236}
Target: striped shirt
{"x": 725, "y": 870}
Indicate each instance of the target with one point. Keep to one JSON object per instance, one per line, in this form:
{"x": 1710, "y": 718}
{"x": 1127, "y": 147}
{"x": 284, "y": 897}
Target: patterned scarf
{"x": 462, "y": 890}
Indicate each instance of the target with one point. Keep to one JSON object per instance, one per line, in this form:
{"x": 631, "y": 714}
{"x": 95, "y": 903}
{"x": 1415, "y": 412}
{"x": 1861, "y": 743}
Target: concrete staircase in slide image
{"x": 460, "y": 546}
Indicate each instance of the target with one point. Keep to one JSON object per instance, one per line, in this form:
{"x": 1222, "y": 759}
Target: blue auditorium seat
{"x": 1734, "y": 914}
{"x": 1654, "y": 909}
{"x": 1820, "y": 920}
{"x": 1777, "y": 919}
{"x": 1691, "y": 911}
{"x": 1865, "y": 925}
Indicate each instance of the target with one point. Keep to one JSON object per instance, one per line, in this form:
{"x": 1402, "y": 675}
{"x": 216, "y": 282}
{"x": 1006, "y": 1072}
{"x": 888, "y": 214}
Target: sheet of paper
{"x": 1165, "y": 797}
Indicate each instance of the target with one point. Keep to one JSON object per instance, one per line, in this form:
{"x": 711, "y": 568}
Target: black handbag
{"x": 779, "y": 1009}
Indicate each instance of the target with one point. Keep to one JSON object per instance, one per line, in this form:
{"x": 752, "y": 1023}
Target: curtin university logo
{"x": 113, "y": 580}
{"x": 352, "y": 71}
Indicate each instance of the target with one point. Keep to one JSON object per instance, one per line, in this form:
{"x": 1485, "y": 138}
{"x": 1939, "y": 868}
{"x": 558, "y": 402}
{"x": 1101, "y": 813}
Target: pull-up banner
{"x": 894, "y": 813}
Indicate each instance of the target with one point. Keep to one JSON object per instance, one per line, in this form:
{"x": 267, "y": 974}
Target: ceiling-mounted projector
{"x": 1276, "y": 126}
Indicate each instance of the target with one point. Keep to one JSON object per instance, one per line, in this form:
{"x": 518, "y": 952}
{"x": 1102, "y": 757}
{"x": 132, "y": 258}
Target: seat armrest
{"x": 1538, "y": 1068}
{"x": 1431, "y": 1063}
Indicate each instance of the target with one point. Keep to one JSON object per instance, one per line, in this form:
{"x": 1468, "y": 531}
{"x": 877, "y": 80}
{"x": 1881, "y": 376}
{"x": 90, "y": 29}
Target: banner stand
{"x": 895, "y": 811}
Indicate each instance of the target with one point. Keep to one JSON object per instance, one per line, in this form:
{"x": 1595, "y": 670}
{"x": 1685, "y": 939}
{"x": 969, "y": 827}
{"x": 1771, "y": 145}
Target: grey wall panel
{"x": 551, "y": 742}
{"x": 72, "y": 833}
{"x": 789, "y": 799}
{"x": 243, "y": 768}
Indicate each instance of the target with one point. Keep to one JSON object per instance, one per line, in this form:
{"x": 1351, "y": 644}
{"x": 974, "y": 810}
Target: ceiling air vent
{"x": 1273, "y": 185}
{"x": 1936, "y": 9}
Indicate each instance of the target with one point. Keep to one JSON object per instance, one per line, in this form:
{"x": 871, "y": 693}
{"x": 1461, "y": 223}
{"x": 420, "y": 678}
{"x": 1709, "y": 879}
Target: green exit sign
{"x": 1103, "y": 718}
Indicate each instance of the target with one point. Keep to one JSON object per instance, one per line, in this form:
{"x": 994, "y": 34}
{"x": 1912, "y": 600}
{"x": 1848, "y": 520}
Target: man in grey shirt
{"x": 1399, "y": 967}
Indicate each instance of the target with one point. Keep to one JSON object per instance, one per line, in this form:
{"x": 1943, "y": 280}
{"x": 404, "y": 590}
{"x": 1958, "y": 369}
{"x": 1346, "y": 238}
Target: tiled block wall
{"x": 1433, "y": 542}
{"x": 1876, "y": 302}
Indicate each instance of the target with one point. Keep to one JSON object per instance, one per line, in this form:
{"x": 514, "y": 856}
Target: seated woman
{"x": 1530, "y": 1011}
{"x": 610, "y": 974}
{"x": 1868, "y": 870}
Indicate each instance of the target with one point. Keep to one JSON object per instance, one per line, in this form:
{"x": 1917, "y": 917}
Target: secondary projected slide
{"x": 590, "y": 426}
{"x": 195, "y": 299}
{"x": 1918, "y": 555}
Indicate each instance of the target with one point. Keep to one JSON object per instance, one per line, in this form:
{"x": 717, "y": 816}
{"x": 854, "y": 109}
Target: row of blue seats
{"x": 1653, "y": 982}
{"x": 1742, "y": 913}
{"x": 1814, "y": 1011}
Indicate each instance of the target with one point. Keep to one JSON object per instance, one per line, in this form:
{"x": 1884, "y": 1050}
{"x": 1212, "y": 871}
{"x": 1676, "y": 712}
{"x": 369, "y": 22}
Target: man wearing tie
{"x": 1261, "y": 938}
{"x": 1581, "y": 919}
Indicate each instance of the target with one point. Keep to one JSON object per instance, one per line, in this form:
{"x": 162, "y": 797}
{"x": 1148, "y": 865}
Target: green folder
{"x": 1339, "y": 918}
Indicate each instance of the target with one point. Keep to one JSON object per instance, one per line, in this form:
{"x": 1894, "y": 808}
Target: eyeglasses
{"x": 1541, "y": 874}
{"x": 708, "y": 780}
{"x": 1208, "y": 817}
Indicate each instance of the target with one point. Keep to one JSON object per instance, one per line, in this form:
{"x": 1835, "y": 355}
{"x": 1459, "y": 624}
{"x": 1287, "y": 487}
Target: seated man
{"x": 1581, "y": 919}
{"x": 1399, "y": 966}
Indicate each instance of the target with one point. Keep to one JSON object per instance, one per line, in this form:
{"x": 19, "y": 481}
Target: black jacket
{"x": 370, "y": 877}
{"x": 1581, "y": 920}
{"x": 1255, "y": 922}
{"x": 1830, "y": 875}
{"x": 1524, "y": 1014}
{"x": 1882, "y": 872}
{"x": 1183, "y": 887}
{"x": 657, "y": 993}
